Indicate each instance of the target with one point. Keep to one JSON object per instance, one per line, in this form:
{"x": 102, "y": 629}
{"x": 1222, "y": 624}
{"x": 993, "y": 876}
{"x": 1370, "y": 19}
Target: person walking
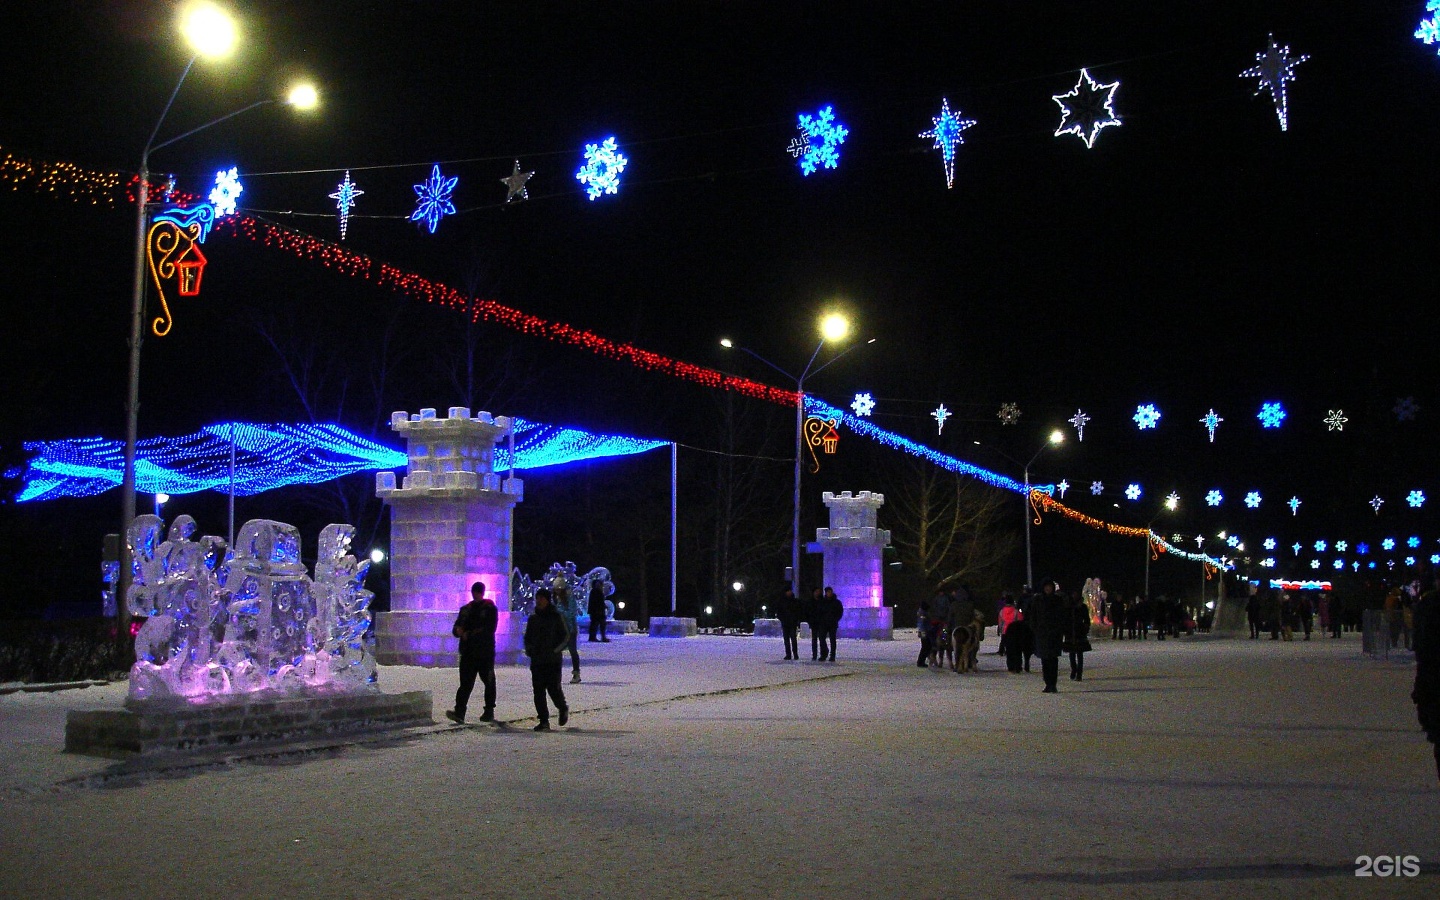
{"x": 1008, "y": 612}
{"x": 1270, "y": 612}
{"x": 1117, "y": 617}
{"x": 787, "y": 610}
{"x": 475, "y": 627}
{"x": 1305, "y": 610}
{"x": 1426, "y": 641}
{"x": 814, "y": 615}
{"x": 922, "y": 627}
{"x": 1252, "y": 612}
{"x": 832, "y": 611}
{"x": 568, "y": 607}
{"x": 596, "y": 609}
{"x": 546, "y": 637}
{"x": 1049, "y": 619}
{"x": 1287, "y": 617}
{"x": 1077, "y": 639}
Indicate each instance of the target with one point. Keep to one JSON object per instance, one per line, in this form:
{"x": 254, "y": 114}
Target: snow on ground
{"x": 709, "y": 767}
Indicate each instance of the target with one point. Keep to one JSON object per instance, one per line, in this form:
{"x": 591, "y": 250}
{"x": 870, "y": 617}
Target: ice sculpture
{"x": 222, "y": 621}
{"x": 565, "y": 585}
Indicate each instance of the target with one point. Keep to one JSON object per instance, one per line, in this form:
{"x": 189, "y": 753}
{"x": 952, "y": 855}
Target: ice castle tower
{"x": 854, "y": 564}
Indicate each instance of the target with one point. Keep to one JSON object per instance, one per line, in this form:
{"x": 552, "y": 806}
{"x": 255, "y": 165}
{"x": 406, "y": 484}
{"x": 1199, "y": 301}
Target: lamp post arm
{"x": 149, "y": 145}
{"x": 181, "y": 137}
{"x": 836, "y": 358}
{"x": 769, "y": 363}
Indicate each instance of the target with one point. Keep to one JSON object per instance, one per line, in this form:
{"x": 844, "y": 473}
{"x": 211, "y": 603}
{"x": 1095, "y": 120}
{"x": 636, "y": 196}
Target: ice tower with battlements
{"x": 854, "y": 552}
{"x": 451, "y": 524}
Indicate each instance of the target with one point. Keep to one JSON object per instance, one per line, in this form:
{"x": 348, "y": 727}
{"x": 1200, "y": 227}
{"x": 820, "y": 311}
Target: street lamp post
{"x": 833, "y": 327}
{"x": 1056, "y": 437}
{"x": 211, "y": 34}
{"x": 1171, "y": 504}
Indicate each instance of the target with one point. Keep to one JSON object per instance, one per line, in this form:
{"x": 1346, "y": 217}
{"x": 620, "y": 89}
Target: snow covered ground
{"x": 709, "y": 767}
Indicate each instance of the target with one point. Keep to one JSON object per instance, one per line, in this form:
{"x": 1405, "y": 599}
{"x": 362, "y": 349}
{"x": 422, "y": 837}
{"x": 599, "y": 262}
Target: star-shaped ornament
{"x": 515, "y": 184}
{"x": 1274, "y": 67}
{"x": 940, "y": 415}
{"x": 1087, "y": 108}
{"x": 1079, "y": 420}
{"x": 344, "y": 197}
{"x": 1062, "y": 487}
{"x": 946, "y": 135}
{"x": 1336, "y": 420}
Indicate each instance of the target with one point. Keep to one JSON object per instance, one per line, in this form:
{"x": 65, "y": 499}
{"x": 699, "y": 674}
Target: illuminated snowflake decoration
{"x": 1294, "y": 504}
{"x": 1339, "y": 564}
{"x": 1062, "y": 487}
{"x": 1268, "y": 562}
{"x": 1416, "y": 499}
{"x": 1376, "y": 503}
{"x": 1097, "y": 488}
{"x": 1214, "y": 498}
{"x": 1336, "y": 420}
{"x": 1233, "y": 540}
{"x": 1211, "y": 421}
{"x": 1172, "y": 500}
{"x": 825, "y": 136}
{"x": 798, "y": 146}
{"x": 1274, "y": 68}
{"x": 1079, "y": 420}
{"x": 1177, "y": 537}
{"x": 1409, "y": 560}
{"x": 433, "y": 199}
{"x": 1362, "y": 548}
{"x": 1009, "y": 414}
{"x": 1087, "y": 108}
{"x": 1412, "y": 542}
{"x": 940, "y": 415}
{"x": 1341, "y": 546}
{"x": 946, "y": 134}
{"x": 1146, "y": 416}
{"x": 1252, "y": 499}
{"x": 1428, "y": 31}
{"x": 1387, "y": 544}
{"x": 226, "y": 191}
{"x": 1133, "y": 492}
{"x": 1435, "y": 559}
{"x": 1296, "y": 548}
{"x": 1314, "y": 563}
{"x": 344, "y": 197}
{"x": 603, "y": 164}
{"x": 863, "y": 404}
{"x": 1320, "y": 546}
{"x": 1271, "y": 415}
{"x": 1405, "y": 408}
{"x": 1269, "y": 543}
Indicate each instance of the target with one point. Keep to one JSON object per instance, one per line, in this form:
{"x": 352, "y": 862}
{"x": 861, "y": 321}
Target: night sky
{"x": 1196, "y": 257}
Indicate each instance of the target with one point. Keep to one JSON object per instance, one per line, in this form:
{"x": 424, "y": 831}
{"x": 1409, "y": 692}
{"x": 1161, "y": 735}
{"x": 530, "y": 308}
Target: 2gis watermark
{"x": 1387, "y": 866}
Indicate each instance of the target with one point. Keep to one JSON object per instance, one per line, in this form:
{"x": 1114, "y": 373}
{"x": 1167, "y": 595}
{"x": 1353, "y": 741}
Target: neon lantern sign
{"x": 820, "y": 433}
{"x": 172, "y": 249}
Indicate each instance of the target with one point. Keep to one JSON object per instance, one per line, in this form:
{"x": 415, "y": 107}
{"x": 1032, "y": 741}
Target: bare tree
{"x": 947, "y": 526}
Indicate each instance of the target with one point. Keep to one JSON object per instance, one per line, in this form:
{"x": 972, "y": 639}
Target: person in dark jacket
{"x": 1117, "y": 618}
{"x": 596, "y": 609}
{"x": 546, "y": 637}
{"x": 814, "y": 615}
{"x": 831, "y": 612}
{"x": 1077, "y": 638}
{"x": 475, "y": 627}
{"x": 1252, "y": 613}
{"x": 1049, "y": 619}
{"x": 1426, "y": 642}
{"x": 787, "y": 610}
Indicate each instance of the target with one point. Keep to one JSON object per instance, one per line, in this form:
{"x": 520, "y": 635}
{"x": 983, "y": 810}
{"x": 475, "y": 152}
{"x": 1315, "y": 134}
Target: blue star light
{"x": 344, "y": 197}
{"x": 1252, "y": 499}
{"x": 1270, "y": 415}
{"x": 1133, "y": 492}
{"x": 226, "y": 191}
{"x": 1211, "y": 421}
{"x": 1416, "y": 498}
{"x": 434, "y": 199}
{"x": 1146, "y": 416}
{"x": 825, "y": 136}
{"x": 946, "y": 133}
{"x": 1274, "y": 68}
{"x": 1296, "y": 548}
{"x": 1062, "y": 487}
{"x": 603, "y": 164}
{"x": 1214, "y": 498}
{"x": 1429, "y": 30}
{"x": 1088, "y": 108}
{"x": 941, "y": 414}
{"x": 1294, "y": 504}
{"x": 863, "y": 405}
{"x": 1097, "y": 488}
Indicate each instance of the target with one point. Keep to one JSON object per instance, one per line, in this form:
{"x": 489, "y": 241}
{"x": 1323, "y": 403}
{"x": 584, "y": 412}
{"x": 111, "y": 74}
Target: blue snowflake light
{"x": 603, "y": 164}
{"x": 946, "y": 133}
{"x": 226, "y": 191}
{"x": 344, "y": 197}
{"x": 1339, "y": 564}
{"x": 1320, "y": 546}
{"x": 1429, "y": 30}
{"x": 1146, "y": 416}
{"x": 863, "y": 404}
{"x": 1314, "y": 563}
{"x": 1211, "y": 421}
{"x": 1269, "y": 543}
{"x": 1341, "y": 546}
{"x": 1268, "y": 562}
{"x": 1416, "y": 498}
{"x": 1270, "y": 415}
{"x": 1097, "y": 488}
{"x": 1087, "y": 108}
{"x": 1133, "y": 492}
{"x": 1362, "y": 548}
{"x": 825, "y": 135}
{"x": 1252, "y": 499}
{"x": 1412, "y": 542}
{"x": 1233, "y": 540}
{"x": 1409, "y": 560}
{"x": 1371, "y": 565}
{"x": 1274, "y": 68}
{"x": 1435, "y": 559}
{"x": 1387, "y": 544}
{"x": 433, "y": 199}
{"x": 1214, "y": 498}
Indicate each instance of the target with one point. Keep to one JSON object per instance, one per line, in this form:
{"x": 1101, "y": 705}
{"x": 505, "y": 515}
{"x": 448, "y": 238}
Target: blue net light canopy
{"x": 273, "y": 456}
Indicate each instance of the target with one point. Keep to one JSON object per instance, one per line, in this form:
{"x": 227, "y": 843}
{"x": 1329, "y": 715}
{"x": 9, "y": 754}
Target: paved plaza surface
{"x": 709, "y": 767}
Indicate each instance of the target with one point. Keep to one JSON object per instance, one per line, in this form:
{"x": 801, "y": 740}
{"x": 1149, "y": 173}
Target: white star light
{"x": 1088, "y": 108}
{"x": 1252, "y": 499}
{"x": 344, "y": 197}
{"x": 1146, "y": 416}
{"x": 1375, "y": 503}
{"x": 1214, "y": 498}
{"x": 1199, "y": 540}
{"x": 1097, "y": 488}
{"x": 863, "y": 404}
{"x": 515, "y": 184}
{"x": 1079, "y": 420}
{"x": 1172, "y": 500}
{"x": 1062, "y": 487}
{"x": 941, "y": 414}
{"x": 1336, "y": 420}
{"x": 1275, "y": 67}
{"x": 1211, "y": 421}
{"x": 1133, "y": 492}
{"x": 946, "y": 133}
{"x": 226, "y": 191}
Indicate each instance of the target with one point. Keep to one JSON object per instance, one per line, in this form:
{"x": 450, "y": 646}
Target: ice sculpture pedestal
{"x": 854, "y": 564}
{"x": 673, "y": 626}
{"x": 174, "y": 727}
{"x": 451, "y": 523}
{"x": 768, "y": 628}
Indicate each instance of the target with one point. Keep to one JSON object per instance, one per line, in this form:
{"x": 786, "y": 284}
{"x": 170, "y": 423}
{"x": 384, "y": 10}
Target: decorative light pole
{"x": 1056, "y": 438}
{"x": 1171, "y": 504}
